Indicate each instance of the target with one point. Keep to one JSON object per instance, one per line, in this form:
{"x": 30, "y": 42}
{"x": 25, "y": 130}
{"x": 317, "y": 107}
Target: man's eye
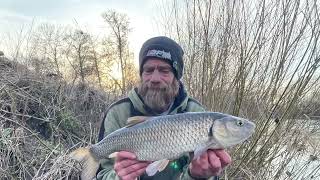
{"x": 166, "y": 71}
{"x": 148, "y": 70}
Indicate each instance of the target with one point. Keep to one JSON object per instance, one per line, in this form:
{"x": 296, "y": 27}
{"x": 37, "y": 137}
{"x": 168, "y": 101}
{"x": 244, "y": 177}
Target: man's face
{"x": 157, "y": 73}
{"x": 159, "y": 85}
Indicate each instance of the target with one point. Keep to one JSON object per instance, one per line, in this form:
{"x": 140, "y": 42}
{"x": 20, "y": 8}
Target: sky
{"x": 15, "y": 14}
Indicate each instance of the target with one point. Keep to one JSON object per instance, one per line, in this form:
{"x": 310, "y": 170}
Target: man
{"x": 159, "y": 93}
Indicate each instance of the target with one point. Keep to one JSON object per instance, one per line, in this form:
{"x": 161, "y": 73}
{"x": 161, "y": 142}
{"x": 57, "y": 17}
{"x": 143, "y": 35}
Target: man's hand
{"x": 209, "y": 164}
{"x": 128, "y": 167}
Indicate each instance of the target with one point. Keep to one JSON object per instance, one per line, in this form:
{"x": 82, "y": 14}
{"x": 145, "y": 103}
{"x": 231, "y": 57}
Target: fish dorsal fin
{"x": 136, "y": 120}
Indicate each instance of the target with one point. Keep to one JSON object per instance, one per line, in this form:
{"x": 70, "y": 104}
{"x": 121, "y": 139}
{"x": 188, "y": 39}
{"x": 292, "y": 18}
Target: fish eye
{"x": 239, "y": 123}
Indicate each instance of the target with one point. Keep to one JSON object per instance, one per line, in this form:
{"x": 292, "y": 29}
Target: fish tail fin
{"x": 89, "y": 163}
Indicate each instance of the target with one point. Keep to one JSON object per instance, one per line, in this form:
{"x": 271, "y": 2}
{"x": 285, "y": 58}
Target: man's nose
{"x": 155, "y": 76}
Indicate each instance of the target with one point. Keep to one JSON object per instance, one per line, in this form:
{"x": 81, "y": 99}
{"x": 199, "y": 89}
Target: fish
{"x": 159, "y": 139}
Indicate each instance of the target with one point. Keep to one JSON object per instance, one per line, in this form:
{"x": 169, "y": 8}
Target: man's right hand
{"x": 128, "y": 167}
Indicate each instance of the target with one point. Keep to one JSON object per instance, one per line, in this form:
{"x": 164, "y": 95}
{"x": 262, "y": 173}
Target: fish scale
{"x": 160, "y": 137}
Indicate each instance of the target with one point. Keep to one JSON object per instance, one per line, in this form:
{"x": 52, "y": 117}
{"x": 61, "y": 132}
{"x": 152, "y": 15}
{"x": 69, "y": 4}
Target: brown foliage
{"x": 41, "y": 118}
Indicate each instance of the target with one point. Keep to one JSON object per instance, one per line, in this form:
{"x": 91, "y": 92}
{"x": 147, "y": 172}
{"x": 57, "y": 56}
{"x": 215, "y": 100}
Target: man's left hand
{"x": 209, "y": 164}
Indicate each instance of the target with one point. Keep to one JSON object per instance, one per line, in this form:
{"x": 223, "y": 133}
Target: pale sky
{"x": 15, "y": 14}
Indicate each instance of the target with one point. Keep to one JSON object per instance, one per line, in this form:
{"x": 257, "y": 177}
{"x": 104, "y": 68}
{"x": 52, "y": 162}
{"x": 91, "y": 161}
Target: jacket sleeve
{"x": 107, "y": 172}
{"x": 111, "y": 123}
{"x": 186, "y": 176}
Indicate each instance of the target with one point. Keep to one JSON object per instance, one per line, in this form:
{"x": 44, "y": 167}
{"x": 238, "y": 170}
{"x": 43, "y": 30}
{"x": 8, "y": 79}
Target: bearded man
{"x": 160, "y": 93}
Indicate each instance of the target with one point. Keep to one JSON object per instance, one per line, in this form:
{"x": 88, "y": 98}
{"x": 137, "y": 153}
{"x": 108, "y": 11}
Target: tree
{"x": 119, "y": 25}
{"x": 80, "y": 54}
{"x": 47, "y": 44}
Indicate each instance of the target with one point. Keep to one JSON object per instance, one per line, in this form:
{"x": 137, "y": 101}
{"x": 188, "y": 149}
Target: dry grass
{"x": 40, "y": 120}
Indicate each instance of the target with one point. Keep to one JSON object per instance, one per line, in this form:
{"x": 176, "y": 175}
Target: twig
{"x": 25, "y": 115}
{"x": 30, "y": 131}
{"x": 47, "y": 158}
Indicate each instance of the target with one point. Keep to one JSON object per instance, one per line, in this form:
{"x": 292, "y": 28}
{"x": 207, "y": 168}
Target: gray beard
{"x": 159, "y": 99}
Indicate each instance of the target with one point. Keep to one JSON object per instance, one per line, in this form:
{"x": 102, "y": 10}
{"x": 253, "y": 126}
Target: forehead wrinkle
{"x": 157, "y": 66}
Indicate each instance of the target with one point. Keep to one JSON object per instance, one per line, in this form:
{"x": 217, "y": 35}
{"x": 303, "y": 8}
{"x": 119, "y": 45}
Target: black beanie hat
{"x": 163, "y": 48}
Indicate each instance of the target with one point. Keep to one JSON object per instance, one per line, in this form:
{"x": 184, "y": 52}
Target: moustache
{"x": 157, "y": 87}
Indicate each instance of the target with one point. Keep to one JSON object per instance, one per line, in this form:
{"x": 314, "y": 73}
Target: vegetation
{"x": 258, "y": 60}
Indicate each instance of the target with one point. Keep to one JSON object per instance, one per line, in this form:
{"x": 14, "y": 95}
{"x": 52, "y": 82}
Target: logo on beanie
{"x": 159, "y": 54}
{"x": 175, "y": 64}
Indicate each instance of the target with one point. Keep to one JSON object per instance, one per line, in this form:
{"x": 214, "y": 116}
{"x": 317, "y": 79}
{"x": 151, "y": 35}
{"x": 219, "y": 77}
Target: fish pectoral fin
{"x": 163, "y": 165}
{"x": 157, "y": 166}
{"x": 113, "y": 155}
{"x": 199, "y": 151}
{"x": 136, "y": 120}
